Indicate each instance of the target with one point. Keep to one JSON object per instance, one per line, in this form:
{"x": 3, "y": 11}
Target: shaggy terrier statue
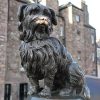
{"x": 45, "y": 57}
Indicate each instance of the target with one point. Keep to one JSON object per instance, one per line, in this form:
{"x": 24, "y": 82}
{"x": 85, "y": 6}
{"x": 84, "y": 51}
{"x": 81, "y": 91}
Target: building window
{"x": 77, "y": 17}
{"x": 93, "y": 57}
{"x": 23, "y": 89}
{"x": 92, "y": 39}
{"x": 7, "y": 93}
{"x": 79, "y": 55}
{"x": 78, "y": 32}
{"x": 94, "y": 72}
{"x": 43, "y": 2}
{"x": 61, "y": 31}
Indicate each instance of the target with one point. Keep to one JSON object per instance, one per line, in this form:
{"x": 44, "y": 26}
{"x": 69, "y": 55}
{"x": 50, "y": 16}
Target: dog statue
{"x": 45, "y": 57}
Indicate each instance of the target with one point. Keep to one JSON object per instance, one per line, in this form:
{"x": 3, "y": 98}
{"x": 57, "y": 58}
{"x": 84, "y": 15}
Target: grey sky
{"x": 94, "y": 13}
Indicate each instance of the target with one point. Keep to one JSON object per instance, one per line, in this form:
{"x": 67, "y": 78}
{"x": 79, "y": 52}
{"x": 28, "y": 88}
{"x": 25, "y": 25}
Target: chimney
{"x": 84, "y": 7}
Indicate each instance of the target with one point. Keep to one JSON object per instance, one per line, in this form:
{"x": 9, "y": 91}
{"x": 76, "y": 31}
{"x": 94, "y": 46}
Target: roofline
{"x": 68, "y": 5}
{"x": 89, "y": 26}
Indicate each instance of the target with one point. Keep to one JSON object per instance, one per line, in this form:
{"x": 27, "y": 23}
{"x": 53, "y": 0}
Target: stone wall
{"x": 90, "y": 51}
{"x": 79, "y": 37}
{"x": 74, "y": 40}
{"x": 3, "y": 41}
{"x": 13, "y": 74}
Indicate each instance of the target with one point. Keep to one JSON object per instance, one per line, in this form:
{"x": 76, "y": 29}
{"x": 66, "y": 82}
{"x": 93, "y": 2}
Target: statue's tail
{"x": 77, "y": 79}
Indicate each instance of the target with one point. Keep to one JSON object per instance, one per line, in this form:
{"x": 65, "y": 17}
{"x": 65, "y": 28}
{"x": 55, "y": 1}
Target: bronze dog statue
{"x": 44, "y": 57}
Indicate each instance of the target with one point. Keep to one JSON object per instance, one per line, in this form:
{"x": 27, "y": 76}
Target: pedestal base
{"x": 56, "y": 98}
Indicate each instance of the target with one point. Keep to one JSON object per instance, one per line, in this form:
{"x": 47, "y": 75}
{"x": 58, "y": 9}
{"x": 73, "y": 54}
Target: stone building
{"x": 73, "y": 30}
{"x": 98, "y": 58}
{"x": 78, "y": 36}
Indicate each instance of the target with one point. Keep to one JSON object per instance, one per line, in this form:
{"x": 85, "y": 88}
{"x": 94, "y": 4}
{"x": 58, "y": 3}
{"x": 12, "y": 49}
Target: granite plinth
{"x": 56, "y": 98}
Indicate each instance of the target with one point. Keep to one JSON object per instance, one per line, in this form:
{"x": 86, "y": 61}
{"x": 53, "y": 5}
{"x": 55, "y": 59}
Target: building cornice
{"x": 89, "y": 26}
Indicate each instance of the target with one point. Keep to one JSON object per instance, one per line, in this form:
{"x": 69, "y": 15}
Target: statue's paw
{"x": 64, "y": 92}
{"x": 30, "y": 92}
{"x": 33, "y": 91}
{"x": 45, "y": 92}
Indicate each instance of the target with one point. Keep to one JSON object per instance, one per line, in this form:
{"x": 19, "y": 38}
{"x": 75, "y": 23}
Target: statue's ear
{"x": 20, "y": 15}
{"x": 54, "y": 19}
{"x": 20, "y": 12}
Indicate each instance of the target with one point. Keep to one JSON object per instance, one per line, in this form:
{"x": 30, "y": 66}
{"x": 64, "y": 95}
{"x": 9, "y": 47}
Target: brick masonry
{"x": 80, "y": 37}
{"x": 3, "y": 43}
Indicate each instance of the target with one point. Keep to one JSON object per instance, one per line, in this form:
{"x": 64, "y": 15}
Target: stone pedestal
{"x": 56, "y": 98}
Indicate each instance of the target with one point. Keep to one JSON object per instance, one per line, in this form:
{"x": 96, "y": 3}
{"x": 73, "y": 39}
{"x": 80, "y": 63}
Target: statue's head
{"x": 33, "y": 19}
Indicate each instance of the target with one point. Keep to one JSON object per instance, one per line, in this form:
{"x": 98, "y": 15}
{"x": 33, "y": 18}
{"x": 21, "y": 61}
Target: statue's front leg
{"x": 48, "y": 82}
{"x": 34, "y": 86}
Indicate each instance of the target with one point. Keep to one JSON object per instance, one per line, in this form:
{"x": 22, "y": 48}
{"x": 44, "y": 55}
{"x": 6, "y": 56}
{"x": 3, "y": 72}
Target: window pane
{"x": 7, "y": 92}
{"x": 93, "y": 57}
{"x": 79, "y": 55}
{"x": 61, "y": 31}
{"x": 77, "y": 18}
{"x": 23, "y": 91}
{"x": 92, "y": 39}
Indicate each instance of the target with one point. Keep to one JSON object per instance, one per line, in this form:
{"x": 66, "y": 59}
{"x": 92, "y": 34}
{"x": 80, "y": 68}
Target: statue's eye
{"x": 46, "y": 12}
{"x": 34, "y": 11}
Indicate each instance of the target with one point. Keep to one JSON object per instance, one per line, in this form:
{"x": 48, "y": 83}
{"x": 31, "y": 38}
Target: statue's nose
{"x": 43, "y": 18}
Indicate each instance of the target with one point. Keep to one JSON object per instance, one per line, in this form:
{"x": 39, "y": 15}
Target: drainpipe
{"x": 96, "y": 57}
{"x": 63, "y": 19}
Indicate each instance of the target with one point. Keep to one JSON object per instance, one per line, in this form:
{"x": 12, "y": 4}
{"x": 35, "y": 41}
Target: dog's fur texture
{"x": 44, "y": 57}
